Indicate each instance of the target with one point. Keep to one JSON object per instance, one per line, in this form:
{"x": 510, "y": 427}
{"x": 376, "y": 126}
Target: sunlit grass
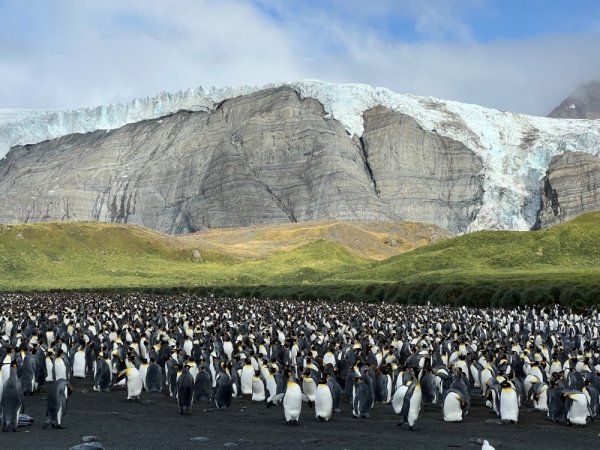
{"x": 328, "y": 260}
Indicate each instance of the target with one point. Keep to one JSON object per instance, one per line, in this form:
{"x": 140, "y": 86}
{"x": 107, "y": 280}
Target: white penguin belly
{"x": 60, "y": 370}
{"x": 258, "y": 390}
{"x": 452, "y": 408}
{"x": 246, "y": 380}
{"x": 134, "y": 385}
{"x": 542, "y": 402}
{"x": 309, "y": 388}
{"x": 414, "y": 407}
{"x": 323, "y": 403}
{"x": 79, "y": 365}
{"x": 49, "y": 370}
{"x": 398, "y": 398}
{"x": 292, "y": 403}
{"x": 143, "y": 370}
{"x": 509, "y": 405}
{"x": 578, "y": 412}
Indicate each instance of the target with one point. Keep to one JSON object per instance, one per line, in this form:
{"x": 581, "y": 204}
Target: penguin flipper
{"x": 275, "y": 400}
{"x": 406, "y": 402}
{"x": 305, "y": 399}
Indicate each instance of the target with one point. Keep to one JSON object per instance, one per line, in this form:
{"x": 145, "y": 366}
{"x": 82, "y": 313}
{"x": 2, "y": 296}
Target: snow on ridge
{"x": 20, "y": 127}
{"x": 515, "y": 149}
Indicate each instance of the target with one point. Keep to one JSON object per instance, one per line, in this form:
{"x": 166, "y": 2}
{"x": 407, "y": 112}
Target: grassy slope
{"x": 323, "y": 259}
{"x": 369, "y": 240}
{"x": 95, "y": 255}
{"x": 569, "y": 253}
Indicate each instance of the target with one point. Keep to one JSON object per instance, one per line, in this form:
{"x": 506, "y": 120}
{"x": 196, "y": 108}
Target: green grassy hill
{"x": 332, "y": 261}
{"x": 566, "y": 253}
{"x": 104, "y": 256}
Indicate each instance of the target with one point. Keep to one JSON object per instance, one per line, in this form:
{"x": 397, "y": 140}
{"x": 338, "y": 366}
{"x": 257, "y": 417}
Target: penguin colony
{"x": 334, "y": 357}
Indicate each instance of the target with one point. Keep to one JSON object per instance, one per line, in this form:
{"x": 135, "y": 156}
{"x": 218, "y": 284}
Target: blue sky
{"x": 522, "y": 56}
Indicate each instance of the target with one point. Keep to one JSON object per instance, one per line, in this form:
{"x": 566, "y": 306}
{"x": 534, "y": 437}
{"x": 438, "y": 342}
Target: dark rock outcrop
{"x": 571, "y": 187}
{"x": 268, "y": 157}
{"x": 583, "y": 103}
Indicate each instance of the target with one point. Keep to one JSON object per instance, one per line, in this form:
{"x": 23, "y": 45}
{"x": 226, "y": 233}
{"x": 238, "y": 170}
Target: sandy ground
{"x": 154, "y": 423}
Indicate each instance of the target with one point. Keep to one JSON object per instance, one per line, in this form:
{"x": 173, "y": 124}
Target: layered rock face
{"x": 268, "y": 157}
{"x": 420, "y": 174}
{"x": 583, "y": 103}
{"x": 571, "y": 187}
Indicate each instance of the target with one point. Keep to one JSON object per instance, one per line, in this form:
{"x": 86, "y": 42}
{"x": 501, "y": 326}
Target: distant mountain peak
{"x": 583, "y": 103}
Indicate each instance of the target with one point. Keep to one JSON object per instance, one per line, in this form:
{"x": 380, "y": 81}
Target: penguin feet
{"x": 58, "y": 427}
{"x": 412, "y": 428}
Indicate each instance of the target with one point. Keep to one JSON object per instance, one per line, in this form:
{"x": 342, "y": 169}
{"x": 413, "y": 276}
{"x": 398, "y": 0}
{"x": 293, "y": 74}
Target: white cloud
{"x": 113, "y": 50}
{"x": 530, "y": 76}
{"x": 80, "y": 53}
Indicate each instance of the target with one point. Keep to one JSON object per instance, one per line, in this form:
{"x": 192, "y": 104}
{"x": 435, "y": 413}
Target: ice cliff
{"x": 515, "y": 150}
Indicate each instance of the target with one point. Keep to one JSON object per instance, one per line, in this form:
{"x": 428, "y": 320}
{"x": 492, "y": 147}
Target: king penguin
{"x": 453, "y": 405}
{"x": 258, "y": 387}
{"x": 323, "y": 401}
{"x": 134, "y": 382}
{"x": 11, "y": 402}
{"x": 292, "y": 400}
{"x": 185, "y": 391}
{"x": 79, "y": 363}
{"x": 398, "y": 397}
{"x": 58, "y": 395}
{"x": 143, "y": 368}
{"x": 362, "y": 399}
{"x": 202, "y": 385}
{"x": 153, "y": 377}
{"x": 509, "y": 403}
{"x": 102, "y": 375}
{"x": 412, "y": 405}
{"x": 578, "y": 408}
{"x": 246, "y": 377}
{"x": 61, "y": 370}
{"x": 309, "y": 385}
{"x": 223, "y": 392}
{"x": 28, "y": 380}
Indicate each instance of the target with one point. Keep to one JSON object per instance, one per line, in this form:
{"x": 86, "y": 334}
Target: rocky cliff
{"x": 583, "y": 103}
{"x": 419, "y": 174}
{"x": 268, "y": 157}
{"x": 292, "y": 152}
{"x": 571, "y": 187}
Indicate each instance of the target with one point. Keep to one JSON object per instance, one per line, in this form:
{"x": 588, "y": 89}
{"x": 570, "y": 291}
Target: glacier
{"x": 516, "y": 149}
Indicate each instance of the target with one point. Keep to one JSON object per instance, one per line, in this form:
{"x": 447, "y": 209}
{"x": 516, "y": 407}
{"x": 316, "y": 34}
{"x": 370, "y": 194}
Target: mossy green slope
{"x": 569, "y": 253}
{"x": 103, "y": 256}
{"x": 100, "y": 256}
